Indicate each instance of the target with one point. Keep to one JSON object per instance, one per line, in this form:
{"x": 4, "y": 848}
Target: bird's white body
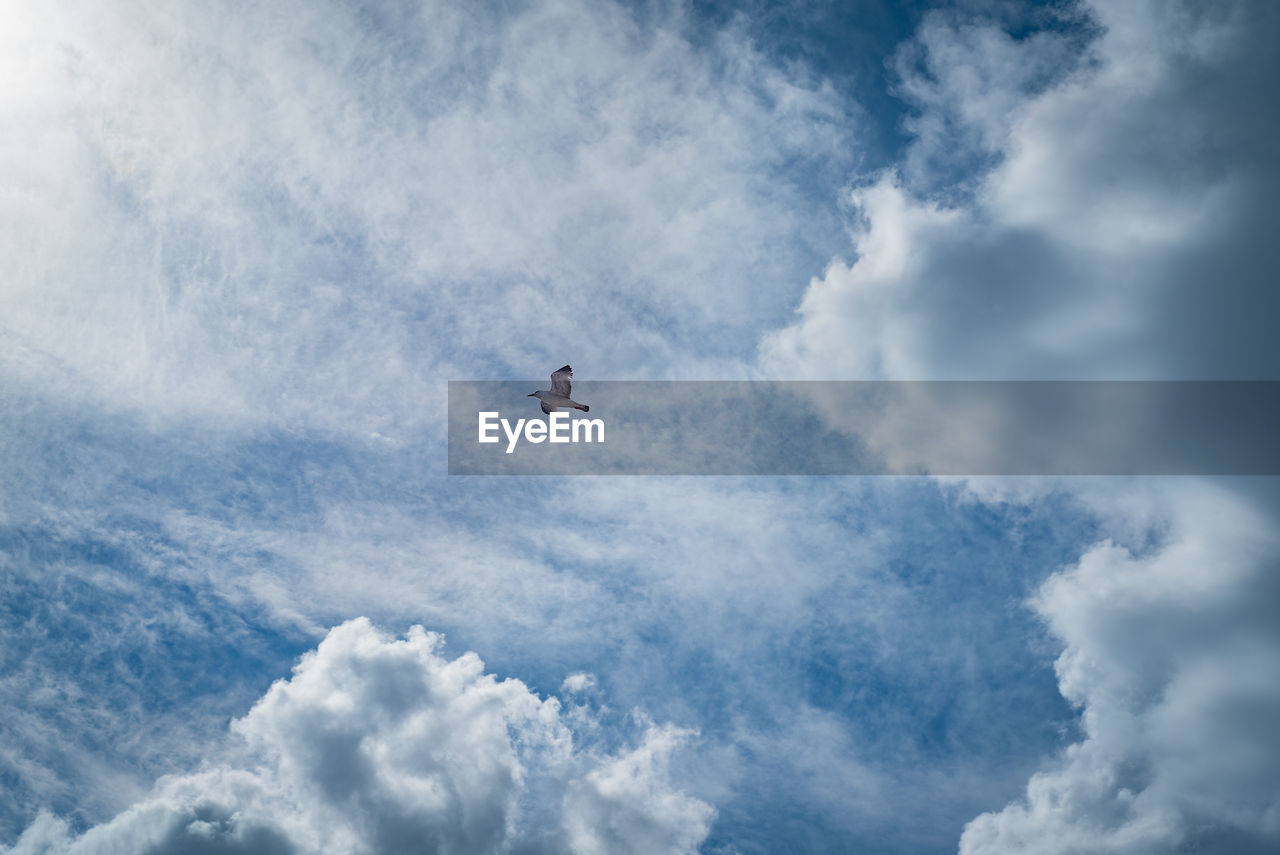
{"x": 551, "y": 399}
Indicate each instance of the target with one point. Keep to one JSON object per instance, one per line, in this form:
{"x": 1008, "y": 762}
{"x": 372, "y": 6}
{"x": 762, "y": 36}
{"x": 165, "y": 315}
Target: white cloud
{"x": 384, "y": 746}
{"x": 966, "y": 80}
{"x": 1118, "y": 235}
{"x": 698, "y": 600}
{"x": 288, "y": 213}
{"x": 579, "y": 682}
{"x": 613, "y": 808}
{"x": 312, "y": 212}
{"x": 1173, "y": 656}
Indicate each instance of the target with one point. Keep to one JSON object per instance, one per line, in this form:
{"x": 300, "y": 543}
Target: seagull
{"x": 558, "y": 397}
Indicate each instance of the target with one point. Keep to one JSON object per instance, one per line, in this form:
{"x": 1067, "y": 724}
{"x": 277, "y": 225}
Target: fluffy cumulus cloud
{"x": 383, "y": 745}
{"x": 1172, "y": 654}
{"x": 1121, "y": 231}
{"x": 1116, "y": 230}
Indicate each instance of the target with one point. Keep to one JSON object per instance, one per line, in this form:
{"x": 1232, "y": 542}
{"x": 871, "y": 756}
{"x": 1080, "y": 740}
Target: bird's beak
{"x": 531, "y": 394}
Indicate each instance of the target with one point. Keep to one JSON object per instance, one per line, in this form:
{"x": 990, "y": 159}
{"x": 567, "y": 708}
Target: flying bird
{"x": 558, "y": 396}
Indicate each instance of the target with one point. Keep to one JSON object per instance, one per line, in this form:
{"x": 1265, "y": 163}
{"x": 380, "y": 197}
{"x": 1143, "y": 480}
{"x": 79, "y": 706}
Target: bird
{"x": 558, "y": 396}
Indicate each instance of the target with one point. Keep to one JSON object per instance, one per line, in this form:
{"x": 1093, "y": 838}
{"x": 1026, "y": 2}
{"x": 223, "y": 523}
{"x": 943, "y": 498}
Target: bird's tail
{"x": 584, "y": 408}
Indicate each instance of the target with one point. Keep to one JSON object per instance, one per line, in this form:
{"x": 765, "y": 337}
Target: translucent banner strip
{"x": 868, "y": 428}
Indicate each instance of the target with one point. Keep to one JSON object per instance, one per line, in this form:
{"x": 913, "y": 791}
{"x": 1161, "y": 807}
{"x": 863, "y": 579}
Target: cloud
{"x": 579, "y": 682}
{"x": 965, "y": 79}
{"x": 795, "y": 623}
{"x": 383, "y": 745}
{"x": 1118, "y": 233}
{"x": 729, "y": 606}
{"x": 118, "y": 661}
{"x": 1172, "y": 655}
{"x": 307, "y": 213}
{"x": 613, "y": 808}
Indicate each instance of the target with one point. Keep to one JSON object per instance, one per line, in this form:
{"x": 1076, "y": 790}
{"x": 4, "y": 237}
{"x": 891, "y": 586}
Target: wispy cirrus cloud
{"x": 309, "y": 211}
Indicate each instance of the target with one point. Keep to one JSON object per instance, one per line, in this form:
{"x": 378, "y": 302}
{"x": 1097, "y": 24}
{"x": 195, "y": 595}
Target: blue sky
{"x": 245, "y": 247}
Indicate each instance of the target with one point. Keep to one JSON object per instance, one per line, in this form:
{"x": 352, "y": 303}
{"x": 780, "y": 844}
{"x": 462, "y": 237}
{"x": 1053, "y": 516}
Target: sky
{"x": 243, "y": 248}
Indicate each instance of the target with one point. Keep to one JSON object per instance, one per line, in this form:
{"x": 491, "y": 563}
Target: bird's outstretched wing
{"x": 561, "y": 381}
{"x": 547, "y": 408}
